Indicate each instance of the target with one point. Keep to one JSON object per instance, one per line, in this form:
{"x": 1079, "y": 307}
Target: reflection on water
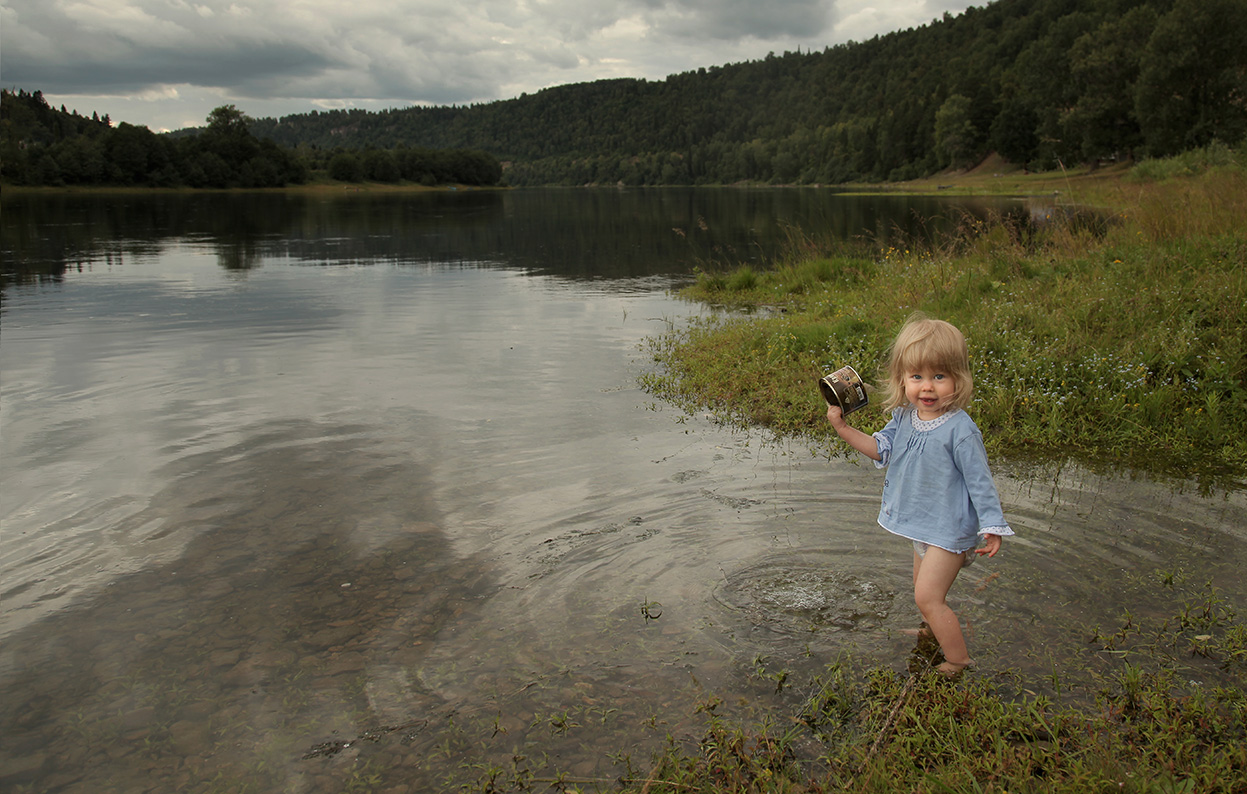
{"x": 380, "y": 525}
{"x": 277, "y": 604}
{"x": 579, "y": 234}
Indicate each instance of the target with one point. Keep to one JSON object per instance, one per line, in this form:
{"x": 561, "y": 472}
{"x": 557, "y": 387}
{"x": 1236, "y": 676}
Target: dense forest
{"x": 40, "y": 145}
{"x": 1040, "y": 82}
{"x": 44, "y": 146}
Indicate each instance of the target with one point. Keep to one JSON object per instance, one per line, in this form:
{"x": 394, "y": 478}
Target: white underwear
{"x": 920, "y": 549}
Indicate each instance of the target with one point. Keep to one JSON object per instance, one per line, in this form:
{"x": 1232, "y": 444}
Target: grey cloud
{"x": 737, "y": 19}
{"x": 124, "y": 47}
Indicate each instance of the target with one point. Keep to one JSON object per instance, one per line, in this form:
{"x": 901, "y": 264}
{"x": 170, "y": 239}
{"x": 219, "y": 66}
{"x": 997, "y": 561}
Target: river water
{"x": 313, "y": 493}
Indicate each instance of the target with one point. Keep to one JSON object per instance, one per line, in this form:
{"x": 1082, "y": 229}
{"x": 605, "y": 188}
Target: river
{"x": 327, "y": 492}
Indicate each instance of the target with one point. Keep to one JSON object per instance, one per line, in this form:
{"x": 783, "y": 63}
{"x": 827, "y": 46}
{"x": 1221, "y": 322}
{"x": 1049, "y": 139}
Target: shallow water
{"x": 381, "y": 522}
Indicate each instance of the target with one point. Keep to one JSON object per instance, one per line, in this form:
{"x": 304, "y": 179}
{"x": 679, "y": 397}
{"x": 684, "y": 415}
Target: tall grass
{"x": 1122, "y": 339}
{"x": 1212, "y": 204}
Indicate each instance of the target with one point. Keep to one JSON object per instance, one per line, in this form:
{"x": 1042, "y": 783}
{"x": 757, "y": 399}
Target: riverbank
{"x": 1117, "y": 338}
{"x": 995, "y": 177}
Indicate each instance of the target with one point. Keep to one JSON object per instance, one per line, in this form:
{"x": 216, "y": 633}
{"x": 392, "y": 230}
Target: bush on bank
{"x": 1123, "y": 340}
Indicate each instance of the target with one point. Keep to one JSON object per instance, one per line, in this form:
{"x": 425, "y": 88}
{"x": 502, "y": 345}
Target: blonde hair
{"x": 926, "y": 342}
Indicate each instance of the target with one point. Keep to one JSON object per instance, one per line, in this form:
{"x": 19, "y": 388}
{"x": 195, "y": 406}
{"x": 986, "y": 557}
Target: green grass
{"x": 921, "y": 733}
{"x": 1216, "y": 156}
{"x": 1122, "y": 339}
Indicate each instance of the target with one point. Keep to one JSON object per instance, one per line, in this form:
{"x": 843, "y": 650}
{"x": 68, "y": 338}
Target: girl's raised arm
{"x": 860, "y": 441}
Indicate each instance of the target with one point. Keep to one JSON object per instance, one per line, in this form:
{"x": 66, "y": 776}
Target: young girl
{"x": 938, "y": 491}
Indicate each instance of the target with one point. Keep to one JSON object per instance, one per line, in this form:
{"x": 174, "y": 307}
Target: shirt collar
{"x": 925, "y": 425}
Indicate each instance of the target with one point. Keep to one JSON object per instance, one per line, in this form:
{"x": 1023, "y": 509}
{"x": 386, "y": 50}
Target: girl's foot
{"x": 954, "y": 669}
{"x": 923, "y": 632}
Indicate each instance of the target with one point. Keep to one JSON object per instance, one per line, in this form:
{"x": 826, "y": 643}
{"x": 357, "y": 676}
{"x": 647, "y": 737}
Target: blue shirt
{"x": 938, "y": 488}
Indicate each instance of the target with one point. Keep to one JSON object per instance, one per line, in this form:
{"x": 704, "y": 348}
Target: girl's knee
{"x": 928, "y": 603}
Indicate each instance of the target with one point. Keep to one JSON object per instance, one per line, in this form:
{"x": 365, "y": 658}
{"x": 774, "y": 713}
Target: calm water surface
{"x": 311, "y": 493}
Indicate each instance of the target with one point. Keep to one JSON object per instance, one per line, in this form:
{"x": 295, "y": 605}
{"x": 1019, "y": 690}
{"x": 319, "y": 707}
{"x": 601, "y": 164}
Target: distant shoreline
{"x": 990, "y": 178}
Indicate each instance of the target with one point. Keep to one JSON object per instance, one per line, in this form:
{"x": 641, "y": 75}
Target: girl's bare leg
{"x": 924, "y": 630}
{"x": 933, "y": 576}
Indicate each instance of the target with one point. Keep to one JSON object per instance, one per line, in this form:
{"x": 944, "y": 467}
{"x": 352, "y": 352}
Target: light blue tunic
{"x": 938, "y": 488}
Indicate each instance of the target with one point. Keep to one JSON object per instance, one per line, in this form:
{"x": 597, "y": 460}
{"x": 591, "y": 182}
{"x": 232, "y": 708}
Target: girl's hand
{"x": 836, "y": 416}
{"x": 991, "y": 545}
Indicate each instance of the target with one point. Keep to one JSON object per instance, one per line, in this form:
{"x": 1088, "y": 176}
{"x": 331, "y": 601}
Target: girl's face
{"x": 929, "y": 390}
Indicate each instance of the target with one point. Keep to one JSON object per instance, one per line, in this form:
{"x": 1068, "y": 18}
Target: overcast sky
{"x": 167, "y": 63}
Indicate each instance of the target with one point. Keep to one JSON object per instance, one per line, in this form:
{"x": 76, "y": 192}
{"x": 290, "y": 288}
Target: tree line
{"x": 40, "y": 145}
{"x": 1041, "y": 82}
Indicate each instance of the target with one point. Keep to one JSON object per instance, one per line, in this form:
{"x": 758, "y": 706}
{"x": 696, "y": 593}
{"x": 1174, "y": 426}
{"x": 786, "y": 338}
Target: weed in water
{"x": 651, "y": 610}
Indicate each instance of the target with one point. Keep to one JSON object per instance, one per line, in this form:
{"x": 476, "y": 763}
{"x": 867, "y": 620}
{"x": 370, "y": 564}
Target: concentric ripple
{"x": 791, "y": 597}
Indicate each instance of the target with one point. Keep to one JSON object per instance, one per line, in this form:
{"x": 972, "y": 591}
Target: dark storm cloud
{"x": 230, "y": 65}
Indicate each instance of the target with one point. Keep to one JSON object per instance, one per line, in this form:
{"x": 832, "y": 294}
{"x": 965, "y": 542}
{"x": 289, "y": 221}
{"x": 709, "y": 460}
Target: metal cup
{"x": 844, "y": 388}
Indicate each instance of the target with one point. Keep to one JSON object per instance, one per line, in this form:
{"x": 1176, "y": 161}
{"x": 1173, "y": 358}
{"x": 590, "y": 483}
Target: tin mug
{"x": 844, "y": 388}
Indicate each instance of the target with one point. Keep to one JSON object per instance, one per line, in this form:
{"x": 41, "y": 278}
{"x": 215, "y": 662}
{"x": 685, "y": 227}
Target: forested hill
{"x": 1036, "y": 80}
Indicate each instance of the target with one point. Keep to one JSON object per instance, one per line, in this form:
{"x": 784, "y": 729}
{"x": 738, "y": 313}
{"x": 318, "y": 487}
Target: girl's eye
{"x": 941, "y": 376}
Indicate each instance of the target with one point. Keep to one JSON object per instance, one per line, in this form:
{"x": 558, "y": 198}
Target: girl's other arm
{"x": 860, "y": 441}
{"x": 971, "y": 460}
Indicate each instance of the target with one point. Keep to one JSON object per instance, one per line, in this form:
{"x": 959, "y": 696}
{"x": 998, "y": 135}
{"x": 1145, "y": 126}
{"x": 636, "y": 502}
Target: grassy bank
{"x": 1119, "y": 339}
